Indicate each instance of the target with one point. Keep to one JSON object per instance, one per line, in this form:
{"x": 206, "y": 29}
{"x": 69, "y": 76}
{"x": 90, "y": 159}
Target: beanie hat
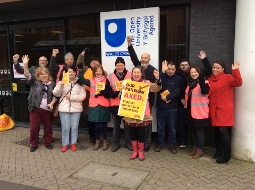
{"x": 119, "y": 60}
{"x": 95, "y": 59}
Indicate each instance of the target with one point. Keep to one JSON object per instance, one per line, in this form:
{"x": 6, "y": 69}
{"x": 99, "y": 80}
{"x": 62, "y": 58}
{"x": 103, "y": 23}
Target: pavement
{"x": 105, "y": 170}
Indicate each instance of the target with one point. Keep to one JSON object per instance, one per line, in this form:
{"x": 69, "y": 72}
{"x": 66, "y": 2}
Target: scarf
{"x": 99, "y": 79}
{"x": 192, "y": 83}
{"x": 120, "y": 76}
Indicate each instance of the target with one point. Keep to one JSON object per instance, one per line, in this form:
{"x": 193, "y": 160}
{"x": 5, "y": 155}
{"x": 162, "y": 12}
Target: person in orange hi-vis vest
{"x": 119, "y": 74}
{"x": 88, "y": 74}
{"x": 99, "y": 103}
{"x": 197, "y": 104}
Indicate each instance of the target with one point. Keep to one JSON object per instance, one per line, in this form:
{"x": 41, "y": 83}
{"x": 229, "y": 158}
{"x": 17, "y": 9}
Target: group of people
{"x": 194, "y": 98}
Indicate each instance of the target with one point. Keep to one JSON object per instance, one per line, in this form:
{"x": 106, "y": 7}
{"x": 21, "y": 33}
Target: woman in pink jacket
{"x": 221, "y": 106}
{"x": 70, "y": 107}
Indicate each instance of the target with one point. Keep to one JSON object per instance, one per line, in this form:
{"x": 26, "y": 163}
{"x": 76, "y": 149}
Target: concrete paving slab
{"x": 124, "y": 177}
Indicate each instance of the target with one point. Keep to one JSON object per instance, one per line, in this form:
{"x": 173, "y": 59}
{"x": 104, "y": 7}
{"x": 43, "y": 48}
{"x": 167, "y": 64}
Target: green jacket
{"x": 99, "y": 114}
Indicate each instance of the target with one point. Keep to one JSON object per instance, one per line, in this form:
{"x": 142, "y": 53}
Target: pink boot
{"x": 141, "y": 151}
{"x": 134, "y": 146}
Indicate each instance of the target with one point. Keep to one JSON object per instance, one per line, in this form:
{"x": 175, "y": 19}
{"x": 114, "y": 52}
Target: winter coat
{"x": 221, "y": 97}
{"x": 172, "y": 84}
{"x": 36, "y": 93}
{"x": 78, "y": 94}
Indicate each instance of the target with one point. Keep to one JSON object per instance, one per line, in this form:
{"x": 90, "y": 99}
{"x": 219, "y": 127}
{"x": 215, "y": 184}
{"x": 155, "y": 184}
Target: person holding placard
{"x": 88, "y": 74}
{"x": 70, "y": 107}
{"x": 116, "y": 81}
{"x": 99, "y": 102}
{"x": 167, "y": 106}
{"x": 149, "y": 75}
{"x": 137, "y": 127}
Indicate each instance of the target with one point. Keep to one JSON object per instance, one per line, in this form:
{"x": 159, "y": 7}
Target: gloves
{"x": 86, "y": 49}
{"x": 102, "y": 93}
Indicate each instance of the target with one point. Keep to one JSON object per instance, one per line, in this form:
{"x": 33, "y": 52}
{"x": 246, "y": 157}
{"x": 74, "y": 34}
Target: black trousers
{"x": 137, "y": 134}
{"x": 222, "y": 137}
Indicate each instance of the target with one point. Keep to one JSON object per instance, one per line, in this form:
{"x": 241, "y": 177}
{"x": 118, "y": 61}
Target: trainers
{"x": 115, "y": 148}
{"x": 73, "y": 147}
{"x": 182, "y": 146}
{"x": 64, "y": 148}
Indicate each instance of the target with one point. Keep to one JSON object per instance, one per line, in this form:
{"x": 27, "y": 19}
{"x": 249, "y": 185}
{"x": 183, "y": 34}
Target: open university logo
{"x": 115, "y": 31}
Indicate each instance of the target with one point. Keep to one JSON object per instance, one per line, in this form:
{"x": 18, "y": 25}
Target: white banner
{"x": 16, "y": 74}
{"x": 142, "y": 25}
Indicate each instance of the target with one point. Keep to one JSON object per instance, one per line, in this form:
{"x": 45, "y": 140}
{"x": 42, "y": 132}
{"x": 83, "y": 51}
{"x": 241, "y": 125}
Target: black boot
{"x": 218, "y": 153}
{"x": 225, "y": 158}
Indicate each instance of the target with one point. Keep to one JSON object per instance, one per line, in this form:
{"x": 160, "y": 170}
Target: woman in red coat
{"x": 221, "y": 106}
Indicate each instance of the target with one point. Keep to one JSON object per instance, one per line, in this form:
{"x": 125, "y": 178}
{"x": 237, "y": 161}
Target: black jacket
{"x": 185, "y": 76}
{"x": 54, "y": 68}
{"x": 172, "y": 84}
{"x": 148, "y": 72}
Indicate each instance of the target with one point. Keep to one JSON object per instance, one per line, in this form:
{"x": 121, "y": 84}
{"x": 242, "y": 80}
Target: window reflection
{"x": 82, "y": 33}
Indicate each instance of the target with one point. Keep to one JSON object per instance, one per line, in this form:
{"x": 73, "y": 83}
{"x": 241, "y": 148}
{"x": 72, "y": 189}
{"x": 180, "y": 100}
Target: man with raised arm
{"x": 57, "y": 70}
{"x": 43, "y": 62}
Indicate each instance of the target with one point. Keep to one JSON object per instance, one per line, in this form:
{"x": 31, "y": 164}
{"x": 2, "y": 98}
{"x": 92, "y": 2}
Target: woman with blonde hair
{"x": 40, "y": 104}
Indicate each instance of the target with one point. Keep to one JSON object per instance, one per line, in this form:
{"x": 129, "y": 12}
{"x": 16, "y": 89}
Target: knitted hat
{"x": 95, "y": 59}
{"x": 119, "y": 60}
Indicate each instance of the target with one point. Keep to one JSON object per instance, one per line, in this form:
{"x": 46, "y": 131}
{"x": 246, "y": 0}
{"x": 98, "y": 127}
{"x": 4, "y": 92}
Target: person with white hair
{"x": 58, "y": 70}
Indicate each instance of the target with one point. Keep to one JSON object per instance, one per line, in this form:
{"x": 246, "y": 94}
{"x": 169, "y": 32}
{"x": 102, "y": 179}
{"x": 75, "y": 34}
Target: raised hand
{"x": 129, "y": 38}
{"x": 164, "y": 66}
{"x": 61, "y": 82}
{"x": 55, "y": 52}
{"x": 202, "y": 54}
{"x": 156, "y": 74}
{"x": 16, "y": 57}
{"x": 25, "y": 59}
{"x": 236, "y": 65}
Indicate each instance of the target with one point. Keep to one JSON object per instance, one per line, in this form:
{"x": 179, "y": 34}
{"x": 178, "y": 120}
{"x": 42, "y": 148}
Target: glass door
{"x": 5, "y": 77}
{"x": 34, "y": 40}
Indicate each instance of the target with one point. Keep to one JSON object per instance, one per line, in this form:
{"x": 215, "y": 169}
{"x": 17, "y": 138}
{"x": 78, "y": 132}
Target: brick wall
{"x": 212, "y": 28}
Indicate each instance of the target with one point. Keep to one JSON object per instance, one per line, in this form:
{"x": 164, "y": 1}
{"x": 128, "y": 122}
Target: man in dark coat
{"x": 149, "y": 75}
{"x": 43, "y": 62}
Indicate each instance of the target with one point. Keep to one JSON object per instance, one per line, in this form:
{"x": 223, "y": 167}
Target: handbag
{"x": 55, "y": 111}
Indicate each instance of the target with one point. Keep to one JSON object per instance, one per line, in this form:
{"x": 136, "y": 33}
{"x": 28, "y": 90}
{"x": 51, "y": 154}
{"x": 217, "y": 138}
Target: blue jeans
{"x": 69, "y": 121}
{"x": 167, "y": 118}
{"x": 182, "y": 125}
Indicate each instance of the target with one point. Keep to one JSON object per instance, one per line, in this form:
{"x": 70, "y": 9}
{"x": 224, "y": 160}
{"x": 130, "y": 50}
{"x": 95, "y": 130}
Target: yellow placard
{"x": 165, "y": 93}
{"x": 14, "y": 86}
{"x": 134, "y": 99}
{"x": 119, "y": 85}
{"x": 65, "y": 78}
{"x": 99, "y": 86}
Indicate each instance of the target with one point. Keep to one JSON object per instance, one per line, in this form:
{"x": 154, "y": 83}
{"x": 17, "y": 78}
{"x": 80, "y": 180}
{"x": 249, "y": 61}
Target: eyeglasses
{"x": 184, "y": 65}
